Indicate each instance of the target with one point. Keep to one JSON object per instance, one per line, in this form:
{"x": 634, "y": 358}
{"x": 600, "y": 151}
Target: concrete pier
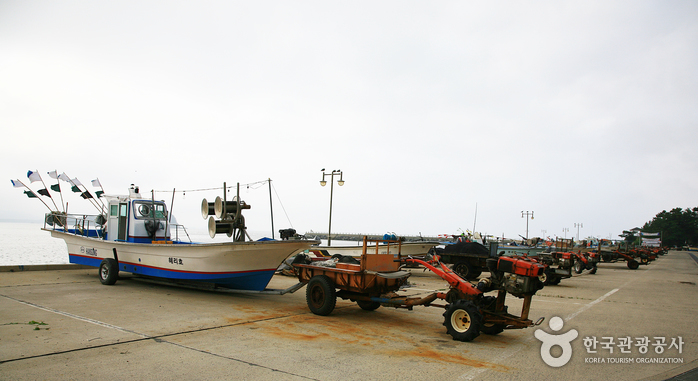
{"x": 61, "y": 324}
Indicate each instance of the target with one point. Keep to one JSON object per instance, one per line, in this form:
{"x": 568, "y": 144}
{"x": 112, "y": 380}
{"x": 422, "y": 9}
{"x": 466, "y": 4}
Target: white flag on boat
{"x": 53, "y": 175}
{"x": 33, "y": 176}
{"x": 64, "y": 177}
{"x": 17, "y": 184}
{"x": 96, "y": 183}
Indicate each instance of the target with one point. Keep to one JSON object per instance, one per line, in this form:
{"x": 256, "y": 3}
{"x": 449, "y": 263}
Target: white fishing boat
{"x": 134, "y": 236}
{"x": 405, "y": 248}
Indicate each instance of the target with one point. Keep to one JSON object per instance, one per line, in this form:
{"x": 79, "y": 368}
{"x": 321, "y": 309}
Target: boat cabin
{"x": 133, "y": 218}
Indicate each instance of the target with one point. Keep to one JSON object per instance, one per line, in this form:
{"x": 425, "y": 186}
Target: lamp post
{"x": 323, "y": 183}
{"x": 527, "y": 214}
{"x": 565, "y": 230}
{"x": 578, "y": 225}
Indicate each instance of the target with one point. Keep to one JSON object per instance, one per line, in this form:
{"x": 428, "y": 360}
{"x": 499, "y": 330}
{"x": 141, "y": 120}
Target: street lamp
{"x": 527, "y": 214}
{"x": 565, "y": 230}
{"x": 323, "y": 183}
{"x": 578, "y": 225}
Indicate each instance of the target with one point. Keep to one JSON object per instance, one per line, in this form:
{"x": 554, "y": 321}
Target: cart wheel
{"x": 633, "y": 265}
{"x": 464, "y": 270}
{"x": 462, "y": 320}
{"x": 368, "y": 305}
{"x": 578, "y": 267}
{"x": 108, "y": 271}
{"x": 321, "y": 295}
{"x": 492, "y": 329}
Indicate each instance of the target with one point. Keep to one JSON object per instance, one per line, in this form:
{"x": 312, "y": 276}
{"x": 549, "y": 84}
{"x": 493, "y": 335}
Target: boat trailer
{"x": 373, "y": 282}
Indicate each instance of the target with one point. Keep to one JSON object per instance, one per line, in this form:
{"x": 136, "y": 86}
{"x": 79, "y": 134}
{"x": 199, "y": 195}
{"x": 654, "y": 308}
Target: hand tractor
{"x": 374, "y": 281}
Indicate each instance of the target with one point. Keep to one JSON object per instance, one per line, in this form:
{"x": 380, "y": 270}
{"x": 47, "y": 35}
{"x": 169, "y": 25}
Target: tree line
{"x": 678, "y": 227}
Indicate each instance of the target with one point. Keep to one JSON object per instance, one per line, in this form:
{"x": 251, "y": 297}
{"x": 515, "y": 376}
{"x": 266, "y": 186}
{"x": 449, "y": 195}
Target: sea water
{"x": 24, "y": 243}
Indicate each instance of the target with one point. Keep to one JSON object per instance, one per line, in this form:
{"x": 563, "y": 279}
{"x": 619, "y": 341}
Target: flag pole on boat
{"x": 54, "y": 175}
{"x": 35, "y": 176}
{"x": 30, "y": 193}
{"x": 75, "y": 188}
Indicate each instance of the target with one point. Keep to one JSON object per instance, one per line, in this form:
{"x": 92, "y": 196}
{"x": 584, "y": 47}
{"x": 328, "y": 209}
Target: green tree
{"x": 678, "y": 227}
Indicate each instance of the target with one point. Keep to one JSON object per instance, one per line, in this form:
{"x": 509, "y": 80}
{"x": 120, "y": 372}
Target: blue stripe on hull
{"x": 247, "y": 280}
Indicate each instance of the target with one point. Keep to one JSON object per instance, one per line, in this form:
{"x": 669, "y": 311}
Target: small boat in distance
{"x": 134, "y": 236}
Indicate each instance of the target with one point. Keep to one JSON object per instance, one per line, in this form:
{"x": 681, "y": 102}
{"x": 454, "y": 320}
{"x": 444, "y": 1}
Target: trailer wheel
{"x": 464, "y": 270}
{"x": 108, "y": 271}
{"x": 321, "y": 295}
{"x": 367, "y": 305}
{"x": 492, "y": 328}
{"x": 633, "y": 265}
{"x": 462, "y": 320}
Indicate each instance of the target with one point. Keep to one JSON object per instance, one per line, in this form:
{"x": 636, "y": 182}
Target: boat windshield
{"x": 144, "y": 209}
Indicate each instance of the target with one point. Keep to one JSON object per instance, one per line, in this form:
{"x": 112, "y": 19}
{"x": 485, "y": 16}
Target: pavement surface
{"x": 65, "y": 325}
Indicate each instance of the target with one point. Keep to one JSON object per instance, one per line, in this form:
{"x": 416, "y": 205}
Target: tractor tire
{"x": 578, "y": 266}
{"x": 367, "y": 305}
{"x": 463, "y": 320}
{"x": 554, "y": 281}
{"x": 108, "y": 271}
{"x": 593, "y": 269}
{"x": 464, "y": 270}
{"x": 633, "y": 265}
{"x": 544, "y": 278}
{"x": 321, "y": 295}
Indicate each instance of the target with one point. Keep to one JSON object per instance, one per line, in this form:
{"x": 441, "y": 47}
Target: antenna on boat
{"x": 271, "y": 210}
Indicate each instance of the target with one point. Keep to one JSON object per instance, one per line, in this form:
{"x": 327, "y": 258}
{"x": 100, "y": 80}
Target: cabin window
{"x": 145, "y": 210}
{"x": 114, "y": 210}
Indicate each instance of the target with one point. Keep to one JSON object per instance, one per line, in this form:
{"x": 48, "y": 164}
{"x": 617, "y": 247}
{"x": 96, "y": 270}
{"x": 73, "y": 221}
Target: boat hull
{"x": 407, "y": 248}
{"x": 510, "y": 251}
{"x": 238, "y": 265}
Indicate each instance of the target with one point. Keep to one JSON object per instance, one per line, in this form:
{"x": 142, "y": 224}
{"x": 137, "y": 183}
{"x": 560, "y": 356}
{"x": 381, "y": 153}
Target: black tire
{"x": 593, "y": 269}
{"x": 633, "y": 265}
{"x": 464, "y": 270}
{"x": 108, "y": 271}
{"x": 368, "y": 305}
{"x": 321, "y": 295}
{"x": 491, "y": 329}
{"x": 554, "y": 281}
{"x": 463, "y": 320}
{"x": 578, "y": 266}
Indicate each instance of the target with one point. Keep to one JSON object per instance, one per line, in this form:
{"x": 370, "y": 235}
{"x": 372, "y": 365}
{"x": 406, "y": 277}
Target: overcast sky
{"x": 582, "y": 112}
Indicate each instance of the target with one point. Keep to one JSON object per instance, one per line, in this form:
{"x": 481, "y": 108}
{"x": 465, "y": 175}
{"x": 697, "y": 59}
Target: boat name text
{"x": 175, "y": 261}
{"x": 89, "y": 251}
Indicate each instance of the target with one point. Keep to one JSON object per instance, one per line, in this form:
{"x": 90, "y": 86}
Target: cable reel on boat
{"x": 229, "y": 213}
